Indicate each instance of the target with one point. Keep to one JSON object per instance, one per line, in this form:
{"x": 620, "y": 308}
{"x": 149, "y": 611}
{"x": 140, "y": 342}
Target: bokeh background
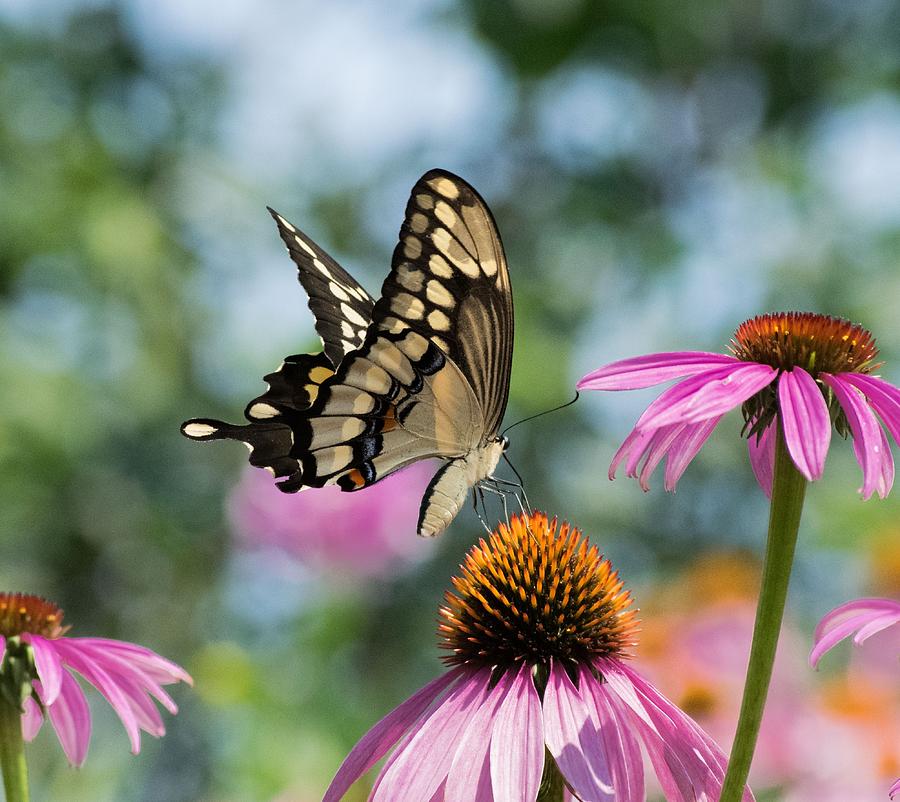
{"x": 660, "y": 171}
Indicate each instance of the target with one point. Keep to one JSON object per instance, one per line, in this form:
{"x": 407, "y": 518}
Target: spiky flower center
{"x": 786, "y": 340}
{"x": 534, "y": 591}
{"x": 22, "y": 612}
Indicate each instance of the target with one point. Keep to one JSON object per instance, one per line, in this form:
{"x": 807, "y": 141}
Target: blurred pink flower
{"x": 128, "y": 676}
{"x": 820, "y": 740}
{"x": 800, "y": 371}
{"x": 366, "y": 533}
{"x": 862, "y": 618}
{"x": 539, "y": 668}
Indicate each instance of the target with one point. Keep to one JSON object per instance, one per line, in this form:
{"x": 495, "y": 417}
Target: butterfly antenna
{"x": 538, "y": 415}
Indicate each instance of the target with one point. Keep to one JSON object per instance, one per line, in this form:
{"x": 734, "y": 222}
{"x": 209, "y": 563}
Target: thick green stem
{"x": 552, "y": 783}
{"x": 788, "y": 489}
{"x": 12, "y": 753}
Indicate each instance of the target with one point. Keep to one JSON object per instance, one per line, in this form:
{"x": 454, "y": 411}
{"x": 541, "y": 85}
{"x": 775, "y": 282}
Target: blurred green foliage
{"x": 659, "y": 171}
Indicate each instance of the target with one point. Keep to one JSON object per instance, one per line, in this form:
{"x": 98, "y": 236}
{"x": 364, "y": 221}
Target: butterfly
{"x": 422, "y": 372}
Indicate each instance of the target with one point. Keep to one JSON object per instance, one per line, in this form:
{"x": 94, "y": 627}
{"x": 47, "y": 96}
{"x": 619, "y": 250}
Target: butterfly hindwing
{"x": 341, "y": 307}
{"x": 394, "y": 401}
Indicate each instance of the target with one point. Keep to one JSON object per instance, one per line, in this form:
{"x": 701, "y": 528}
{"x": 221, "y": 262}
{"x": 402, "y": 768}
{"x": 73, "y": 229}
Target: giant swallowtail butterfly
{"x": 423, "y": 372}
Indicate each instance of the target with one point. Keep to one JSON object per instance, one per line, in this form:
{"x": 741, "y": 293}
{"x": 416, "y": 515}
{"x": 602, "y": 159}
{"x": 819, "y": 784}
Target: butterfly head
{"x": 503, "y": 441}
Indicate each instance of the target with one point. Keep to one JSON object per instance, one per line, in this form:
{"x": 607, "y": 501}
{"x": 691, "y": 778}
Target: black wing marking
{"x": 449, "y": 281}
{"x": 341, "y": 307}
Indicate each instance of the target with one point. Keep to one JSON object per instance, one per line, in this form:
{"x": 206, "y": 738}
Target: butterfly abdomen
{"x": 450, "y": 486}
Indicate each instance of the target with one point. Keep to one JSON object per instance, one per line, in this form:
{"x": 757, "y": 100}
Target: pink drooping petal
{"x": 633, "y": 447}
{"x": 863, "y": 616}
{"x": 469, "y": 779}
{"x": 688, "y": 443}
{"x": 517, "y": 745}
{"x": 49, "y": 666}
{"x": 159, "y": 668}
{"x": 71, "y": 719}
{"x": 104, "y": 682}
{"x": 419, "y": 768}
{"x": 145, "y": 712}
{"x": 866, "y": 432}
{"x": 885, "y": 479}
{"x": 701, "y": 758}
{"x": 376, "y": 743}
{"x": 883, "y": 397}
{"x": 762, "y": 457}
{"x": 805, "y": 421}
{"x": 2, "y": 648}
{"x": 573, "y": 739}
{"x": 706, "y": 395}
{"x": 32, "y": 718}
{"x": 660, "y": 445}
{"x": 122, "y": 667}
{"x": 645, "y": 371}
{"x": 622, "y": 746}
{"x": 689, "y": 764}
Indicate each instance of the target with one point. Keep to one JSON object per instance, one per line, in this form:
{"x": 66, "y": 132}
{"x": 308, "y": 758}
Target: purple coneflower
{"x": 865, "y": 617}
{"x": 539, "y": 699}
{"x": 808, "y": 371}
{"x": 36, "y": 665}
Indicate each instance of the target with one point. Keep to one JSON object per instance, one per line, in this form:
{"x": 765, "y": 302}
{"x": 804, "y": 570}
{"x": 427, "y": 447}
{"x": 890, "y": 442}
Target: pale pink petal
{"x": 573, "y": 739}
{"x": 762, "y": 457}
{"x": 2, "y": 648}
{"x": 622, "y": 746}
{"x": 418, "y": 769}
{"x": 894, "y": 789}
{"x": 32, "y": 718}
{"x": 517, "y": 745}
{"x": 689, "y": 442}
{"x": 71, "y": 719}
{"x": 469, "y": 779}
{"x": 866, "y": 432}
{"x": 805, "y": 421}
{"x": 49, "y": 666}
{"x": 377, "y": 741}
{"x": 706, "y": 395}
{"x": 645, "y": 371}
{"x": 108, "y": 686}
{"x": 853, "y": 616}
{"x": 883, "y": 397}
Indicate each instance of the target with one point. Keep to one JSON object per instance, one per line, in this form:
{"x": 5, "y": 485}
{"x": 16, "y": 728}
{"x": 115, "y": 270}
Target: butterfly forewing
{"x": 341, "y": 307}
{"x": 449, "y": 281}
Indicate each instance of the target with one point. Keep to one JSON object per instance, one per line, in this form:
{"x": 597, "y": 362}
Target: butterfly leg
{"x": 490, "y": 486}
{"x": 518, "y": 483}
{"x": 477, "y": 496}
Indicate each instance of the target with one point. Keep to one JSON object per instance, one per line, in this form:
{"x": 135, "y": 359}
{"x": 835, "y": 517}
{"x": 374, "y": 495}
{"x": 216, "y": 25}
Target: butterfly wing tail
{"x": 270, "y": 445}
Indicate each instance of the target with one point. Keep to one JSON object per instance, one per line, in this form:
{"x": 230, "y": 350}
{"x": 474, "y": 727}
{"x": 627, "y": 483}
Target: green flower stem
{"x": 12, "y": 753}
{"x": 552, "y": 783}
{"x": 788, "y": 489}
